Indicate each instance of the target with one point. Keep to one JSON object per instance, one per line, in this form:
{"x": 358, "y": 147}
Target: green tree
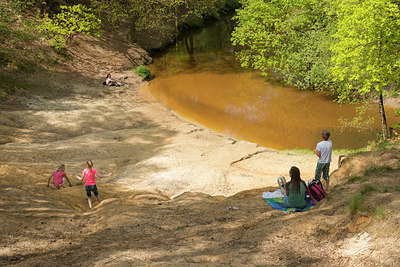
{"x": 69, "y": 22}
{"x": 20, "y": 51}
{"x": 113, "y": 11}
{"x": 366, "y": 51}
{"x": 158, "y": 15}
{"x": 290, "y": 37}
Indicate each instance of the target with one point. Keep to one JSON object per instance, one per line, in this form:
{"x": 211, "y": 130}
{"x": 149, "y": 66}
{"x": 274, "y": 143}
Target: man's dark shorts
{"x": 91, "y": 188}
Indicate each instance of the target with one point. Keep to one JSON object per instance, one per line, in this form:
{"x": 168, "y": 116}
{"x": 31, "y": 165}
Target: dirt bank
{"x": 166, "y": 203}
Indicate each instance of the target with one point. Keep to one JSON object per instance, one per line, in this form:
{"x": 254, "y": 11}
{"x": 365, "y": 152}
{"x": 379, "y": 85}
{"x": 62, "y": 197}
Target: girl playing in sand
{"x": 59, "y": 177}
{"x": 90, "y": 174}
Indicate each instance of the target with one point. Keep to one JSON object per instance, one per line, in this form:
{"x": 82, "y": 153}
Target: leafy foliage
{"x": 14, "y": 52}
{"x": 348, "y": 48}
{"x": 290, "y": 37}
{"x": 366, "y": 42}
{"x": 366, "y": 50}
{"x": 16, "y": 38}
{"x": 70, "y": 21}
{"x": 21, "y": 6}
{"x": 157, "y": 15}
{"x": 143, "y": 71}
{"x": 112, "y": 11}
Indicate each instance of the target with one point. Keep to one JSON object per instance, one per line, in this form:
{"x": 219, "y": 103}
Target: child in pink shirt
{"x": 89, "y": 174}
{"x": 59, "y": 177}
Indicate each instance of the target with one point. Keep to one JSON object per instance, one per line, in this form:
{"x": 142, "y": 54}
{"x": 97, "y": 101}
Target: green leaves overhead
{"x": 70, "y": 21}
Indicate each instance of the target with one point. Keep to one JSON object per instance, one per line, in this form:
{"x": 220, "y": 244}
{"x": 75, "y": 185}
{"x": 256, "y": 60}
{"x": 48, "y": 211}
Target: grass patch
{"x": 356, "y": 203}
{"x": 367, "y": 188}
{"x": 383, "y": 145}
{"x": 337, "y": 152}
{"x": 299, "y": 151}
{"x": 378, "y": 169}
{"x": 354, "y": 179}
{"x": 398, "y": 188}
{"x": 379, "y": 213}
{"x": 340, "y": 187}
{"x": 349, "y": 151}
{"x": 357, "y": 178}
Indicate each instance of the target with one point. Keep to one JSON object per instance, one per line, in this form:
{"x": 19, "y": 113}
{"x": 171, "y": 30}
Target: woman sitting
{"x": 293, "y": 191}
{"x": 111, "y": 82}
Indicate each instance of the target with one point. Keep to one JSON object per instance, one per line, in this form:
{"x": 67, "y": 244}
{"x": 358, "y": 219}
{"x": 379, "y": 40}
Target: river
{"x": 200, "y": 79}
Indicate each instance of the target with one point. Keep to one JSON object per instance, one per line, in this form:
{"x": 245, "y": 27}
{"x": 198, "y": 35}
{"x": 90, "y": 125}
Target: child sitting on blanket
{"x": 293, "y": 191}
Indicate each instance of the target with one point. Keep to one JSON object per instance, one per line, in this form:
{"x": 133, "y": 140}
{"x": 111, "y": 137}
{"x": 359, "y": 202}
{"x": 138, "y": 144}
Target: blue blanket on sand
{"x": 277, "y": 203}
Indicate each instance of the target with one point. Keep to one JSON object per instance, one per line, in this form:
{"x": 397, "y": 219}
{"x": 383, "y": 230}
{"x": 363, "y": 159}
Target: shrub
{"x": 143, "y": 72}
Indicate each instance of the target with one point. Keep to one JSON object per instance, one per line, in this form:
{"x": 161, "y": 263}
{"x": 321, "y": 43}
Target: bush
{"x": 143, "y": 72}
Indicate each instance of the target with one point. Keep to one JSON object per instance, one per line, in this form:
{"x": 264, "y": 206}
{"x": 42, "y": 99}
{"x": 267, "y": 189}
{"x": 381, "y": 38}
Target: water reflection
{"x": 203, "y": 82}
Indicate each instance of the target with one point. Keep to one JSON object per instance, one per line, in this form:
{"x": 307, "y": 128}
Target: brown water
{"x": 203, "y": 82}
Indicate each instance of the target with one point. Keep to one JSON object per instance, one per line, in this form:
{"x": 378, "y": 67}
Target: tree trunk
{"x": 383, "y": 118}
{"x": 176, "y": 28}
{"x": 381, "y": 107}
